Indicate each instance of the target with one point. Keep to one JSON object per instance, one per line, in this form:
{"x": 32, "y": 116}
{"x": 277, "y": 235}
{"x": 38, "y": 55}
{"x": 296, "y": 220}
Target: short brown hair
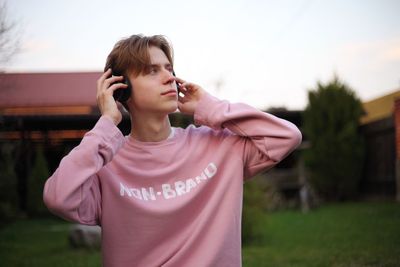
{"x": 131, "y": 54}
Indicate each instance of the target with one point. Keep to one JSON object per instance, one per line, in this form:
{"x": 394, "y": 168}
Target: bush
{"x": 39, "y": 175}
{"x": 337, "y": 150}
{"x": 253, "y": 211}
{"x": 8, "y": 183}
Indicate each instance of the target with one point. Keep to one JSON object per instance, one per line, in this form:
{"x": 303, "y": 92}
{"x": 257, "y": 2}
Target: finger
{"x": 106, "y": 74}
{"x": 179, "y": 80}
{"x": 102, "y": 78}
{"x": 120, "y": 106}
{"x": 188, "y": 89}
{"x": 106, "y": 80}
{"x": 113, "y": 79}
{"x": 182, "y": 89}
{"x": 181, "y": 106}
{"x": 189, "y": 85}
{"x": 181, "y": 99}
{"x": 116, "y": 86}
{"x": 178, "y": 83}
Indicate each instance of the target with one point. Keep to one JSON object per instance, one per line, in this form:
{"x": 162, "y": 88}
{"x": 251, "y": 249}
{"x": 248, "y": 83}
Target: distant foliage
{"x": 253, "y": 213}
{"x": 8, "y": 183}
{"x": 37, "y": 178}
{"x": 178, "y": 119}
{"x": 336, "y": 155}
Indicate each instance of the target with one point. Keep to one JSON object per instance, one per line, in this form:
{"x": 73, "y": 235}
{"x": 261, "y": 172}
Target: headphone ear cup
{"x": 124, "y": 94}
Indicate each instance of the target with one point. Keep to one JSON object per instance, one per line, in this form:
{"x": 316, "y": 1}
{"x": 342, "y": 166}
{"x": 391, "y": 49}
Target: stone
{"x": 85, "y": 236}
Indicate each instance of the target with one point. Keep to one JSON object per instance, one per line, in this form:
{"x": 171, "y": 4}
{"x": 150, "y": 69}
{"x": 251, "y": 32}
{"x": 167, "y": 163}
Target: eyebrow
{"x": 159, "y": 65}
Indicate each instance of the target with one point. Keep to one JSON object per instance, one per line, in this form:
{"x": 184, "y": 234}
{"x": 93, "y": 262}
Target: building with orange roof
{"x": 381, "y": 127}
{"x": 48, "y": 110}
{"x": 379, "y": 108}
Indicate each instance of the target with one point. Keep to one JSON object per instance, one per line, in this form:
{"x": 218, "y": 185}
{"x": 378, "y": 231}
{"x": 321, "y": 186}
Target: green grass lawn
{"x": 339, "y": 235}
{"x": 42, "y": 242}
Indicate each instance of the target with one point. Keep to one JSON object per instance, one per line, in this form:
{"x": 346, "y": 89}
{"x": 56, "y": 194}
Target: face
{"x": 155, "y": 90}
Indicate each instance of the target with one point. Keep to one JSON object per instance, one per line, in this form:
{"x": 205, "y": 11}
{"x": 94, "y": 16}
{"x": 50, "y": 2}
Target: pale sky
{"x": 264, "y": 53}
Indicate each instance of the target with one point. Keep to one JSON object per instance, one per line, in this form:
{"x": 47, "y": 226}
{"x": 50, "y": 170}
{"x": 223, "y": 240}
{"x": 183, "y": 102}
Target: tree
{"x": 253, "y": 210}
{"x": 336, "y": 155}
{"x": 38, "y": 176}
{"x": 8, "y": 185}
{"x": 9, "y": 40}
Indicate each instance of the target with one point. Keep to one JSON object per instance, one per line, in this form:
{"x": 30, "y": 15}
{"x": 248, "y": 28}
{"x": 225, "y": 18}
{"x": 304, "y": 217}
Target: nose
{"x": 168, "y": 76}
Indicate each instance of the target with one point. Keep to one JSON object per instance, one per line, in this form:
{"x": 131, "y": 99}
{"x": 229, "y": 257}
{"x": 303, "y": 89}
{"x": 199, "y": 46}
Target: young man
{"x": 165, "y": 196}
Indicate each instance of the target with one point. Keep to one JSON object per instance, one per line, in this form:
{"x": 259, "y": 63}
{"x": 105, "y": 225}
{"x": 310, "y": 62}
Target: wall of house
{"x": 379, "y": 167}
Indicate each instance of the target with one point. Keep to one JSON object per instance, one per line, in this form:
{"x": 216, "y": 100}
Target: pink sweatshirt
{"x": 177, "y": 202}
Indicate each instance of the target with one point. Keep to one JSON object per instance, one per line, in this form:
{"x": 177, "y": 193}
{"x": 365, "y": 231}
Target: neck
{"x": 150, "y": 128}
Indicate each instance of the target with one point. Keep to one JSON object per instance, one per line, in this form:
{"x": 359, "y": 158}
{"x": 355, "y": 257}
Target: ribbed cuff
{"x": 111, "y": 137}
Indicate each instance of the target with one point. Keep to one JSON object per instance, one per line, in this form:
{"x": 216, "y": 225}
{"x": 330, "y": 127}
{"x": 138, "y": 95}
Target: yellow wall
{"x": 379, "y": 108}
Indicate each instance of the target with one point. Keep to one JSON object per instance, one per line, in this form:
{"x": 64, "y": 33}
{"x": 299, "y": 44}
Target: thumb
{"x": 180, "y": 106}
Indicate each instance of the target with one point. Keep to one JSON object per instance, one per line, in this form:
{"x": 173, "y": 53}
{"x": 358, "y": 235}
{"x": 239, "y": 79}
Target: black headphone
{"x": 123, "y": 94}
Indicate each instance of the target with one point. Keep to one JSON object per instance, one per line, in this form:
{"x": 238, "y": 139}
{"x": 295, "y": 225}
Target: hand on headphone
{"x": 189, "y": 96}
{"x": 105, "y": 88}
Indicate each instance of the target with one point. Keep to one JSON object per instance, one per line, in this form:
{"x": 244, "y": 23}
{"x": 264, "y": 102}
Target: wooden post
{"x": 305, "y": 194}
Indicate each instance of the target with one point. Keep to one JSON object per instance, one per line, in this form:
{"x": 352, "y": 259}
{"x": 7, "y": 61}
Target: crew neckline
{"x": 169, "y": 139}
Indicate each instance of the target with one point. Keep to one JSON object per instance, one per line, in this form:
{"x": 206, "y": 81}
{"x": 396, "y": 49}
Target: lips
{"x": 172, "y": 91}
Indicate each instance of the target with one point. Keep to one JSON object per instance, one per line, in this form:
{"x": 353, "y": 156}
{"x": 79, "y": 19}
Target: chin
{"x": 170, "y": 108}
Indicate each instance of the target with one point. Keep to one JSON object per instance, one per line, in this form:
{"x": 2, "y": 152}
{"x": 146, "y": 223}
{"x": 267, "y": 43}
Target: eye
{"x": 153, "y": 70}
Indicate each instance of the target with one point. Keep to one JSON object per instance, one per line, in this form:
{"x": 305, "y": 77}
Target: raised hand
{"x": 190, "y": 95}
{"x": 105, "y": 88}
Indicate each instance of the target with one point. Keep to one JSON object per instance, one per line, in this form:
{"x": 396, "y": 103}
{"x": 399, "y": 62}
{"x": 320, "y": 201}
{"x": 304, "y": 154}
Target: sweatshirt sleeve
{"x": 73, "y": 191}
{"x": 267, "y": 139}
